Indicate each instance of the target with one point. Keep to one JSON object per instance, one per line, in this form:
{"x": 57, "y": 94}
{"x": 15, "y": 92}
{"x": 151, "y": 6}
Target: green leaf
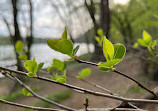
{"x": 40, "y": 65}
{"x": 19, "y": 46}
{"x": 153, "y": 43}
{"x": 100, "y": 32}
{"x": 53, "y": 78}
{"x": 135, "y": 45}
{"x": 85, "y": 72}
{"x": 66, "y": 47}
{"x": 105, "y": 69}
{"x": 31, "y": 66}
{"x": 61, "y": 80}
{"x": 147, "y": 38}
{"x": 49, "y": 69}
{"x": 64, "y": 35}
{"x": 119, "y": 51}
{"x": 53, "y": 44}
{"x": 108, "y": 49}
{"x": 64, "y": 76}
{"x": 78, "y": 77}
{"x": 142, "y": 43}
{"x": 109, "y": 63}
{"x": 23, "y": 57}
{"x": 26, "y": 92}
{"x": 97, "y": 39}
{"x": 58, "y": 64}
{"x": 30, "y": 74}
{"x": 75, "y": 50}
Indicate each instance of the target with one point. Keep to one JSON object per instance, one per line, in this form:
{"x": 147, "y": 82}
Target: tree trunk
{"x": 29, "y": 39}
{"x": 105, "y": 17}
{"x": 16, "y": 35}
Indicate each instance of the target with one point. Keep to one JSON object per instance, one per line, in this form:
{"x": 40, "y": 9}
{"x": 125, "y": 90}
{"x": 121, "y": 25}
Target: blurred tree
{"x": 129, "y": 20}
{"x": 103, "y": 24}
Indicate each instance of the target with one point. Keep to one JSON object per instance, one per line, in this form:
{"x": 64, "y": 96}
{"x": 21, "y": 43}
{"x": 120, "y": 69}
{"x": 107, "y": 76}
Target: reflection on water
{"x": 41, "y": 52}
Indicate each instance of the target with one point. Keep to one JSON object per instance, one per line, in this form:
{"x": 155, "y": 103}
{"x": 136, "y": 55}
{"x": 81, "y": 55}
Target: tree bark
{"x": 105, "y": 17}
{"x": 16, "y": 35}
{"x": 29, "y": 39}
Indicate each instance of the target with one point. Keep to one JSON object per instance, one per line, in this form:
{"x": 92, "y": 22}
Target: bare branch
{"x": 93, "y": 84}
{"x": 28, "y": 107}
{"x": 36, "y": 95}
{"x": 86, "y": 90}
{"x": 118, "y": 72}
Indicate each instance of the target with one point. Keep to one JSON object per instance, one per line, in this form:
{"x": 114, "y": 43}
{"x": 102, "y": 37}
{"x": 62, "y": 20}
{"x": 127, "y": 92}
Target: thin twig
{"x": 28, "y": 107}
{"x": 118, "y": 72}
{"x": 139, "y": 84}
{"x": 93, "y": 84}
{"x": 88, "y": 91}
{"x": 85, "y": 62}
{"x": 38, "y": 96}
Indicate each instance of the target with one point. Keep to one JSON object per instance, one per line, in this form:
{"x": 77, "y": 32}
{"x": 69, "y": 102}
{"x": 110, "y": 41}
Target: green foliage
{"x": 57, "y": 96}
{"x": 135, "y": 45}
{"x": 64, "y": 46}
{"x": 84, "y": 73}
{"x": 99, "y": 40}
{"x": 119, "y": 51}
{"x": 53, "y": 43}
{"x": 101, "y": 37}
{"x": 40, "y": 65}
{"x": 113, "y": 54}
{"x": 75, "y": 50}
{"x": 18, "y": 94}
{"x": 26, "y": 92}
{"x": 64, "y": 35}
{"x": 108, "y": 49}
{"x": 23, "y": 57}
{"x": 61, "y": 78}
{"x": 146, "y": 41}
{"x": 100, "y": 32}
{"x": 19, "y": 46}
{"x": 86, "y": 100}
{"x": 58, "y": 64}
{"x": 32, "y": 67}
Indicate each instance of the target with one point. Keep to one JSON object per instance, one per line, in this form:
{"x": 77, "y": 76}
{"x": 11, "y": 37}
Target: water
{"x": 41, "y": 52}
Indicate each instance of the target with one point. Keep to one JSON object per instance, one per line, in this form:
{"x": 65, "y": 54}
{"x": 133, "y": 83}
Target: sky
{"x": 121, "y": 1}
{"x": 46, "y": 20}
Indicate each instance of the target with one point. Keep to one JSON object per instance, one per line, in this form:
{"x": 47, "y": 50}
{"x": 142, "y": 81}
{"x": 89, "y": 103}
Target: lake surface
{"x": 41, "y": 52}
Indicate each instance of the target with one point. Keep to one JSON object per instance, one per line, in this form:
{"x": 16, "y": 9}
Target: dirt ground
{"x": 112, "y": 81}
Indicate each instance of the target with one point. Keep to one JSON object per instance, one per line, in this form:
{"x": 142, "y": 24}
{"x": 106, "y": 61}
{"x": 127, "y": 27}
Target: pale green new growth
{"x": 64, "y": 46}
{"x": 23, "y": 57}
{"x": 84, "y": 73}
{"x": 108, "y": 49}
{"x": 113, "y": 54}
{"x": 75, "y": 50}
{"x": 19, "y": 46}
{"x": 64, "y": 35}
{"x": 26, "y": 92}
{"x": 32, "y": 67}
{"x": 146, "y": 42}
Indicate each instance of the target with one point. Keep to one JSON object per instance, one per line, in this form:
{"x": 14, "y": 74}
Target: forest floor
{"x": 112, "y": 81}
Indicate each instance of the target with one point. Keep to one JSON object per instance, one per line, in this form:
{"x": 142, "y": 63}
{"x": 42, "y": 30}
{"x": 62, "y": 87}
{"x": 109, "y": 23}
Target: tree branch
{"x": 139, "y": 84}
{"x": 93, "y": 84}
{"x": 36, "y": 95}
{"x": 118, "y": 72}
{"x": 86, "y": 90}
{"x": 28, "y": 107}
